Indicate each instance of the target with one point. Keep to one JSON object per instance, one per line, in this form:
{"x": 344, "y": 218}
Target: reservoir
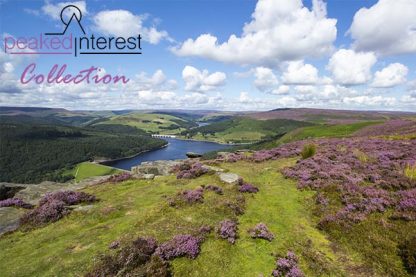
{"x": 176, "y": 149}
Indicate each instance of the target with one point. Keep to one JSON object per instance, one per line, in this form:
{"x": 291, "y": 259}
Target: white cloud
{"x": 283, "y": 89}
{"x": 54, "y": 10}
{"x": 388, "y": 27}
{"x": 351, "y": 68}
{"x": 124, "y": 23}
{"x": 202, "y": 81}
{"x": 157, "y": 81}
{"x": 280, "y": 30}
{"x": 366, "y": 101}
{"x": 265, "y": 80}
{"x": 390, "y": 76}
{"x": 298, "y": 73}
{"x": 244, "y": 97}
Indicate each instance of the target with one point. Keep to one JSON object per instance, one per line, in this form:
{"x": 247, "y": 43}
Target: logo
{"x": 68, "y": 44}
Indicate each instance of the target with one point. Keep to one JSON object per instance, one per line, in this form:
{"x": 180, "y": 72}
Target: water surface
{"x": 176, "y": 149}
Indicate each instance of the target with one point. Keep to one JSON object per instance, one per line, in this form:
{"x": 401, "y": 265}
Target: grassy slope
{"x": 87, "y": 169}
{"x": 153, "y": 123}
{"x": 139, "y": 208}
{"x": 317, "y": 131}
{"x": 326, "y": 131}
{"x": 245, "y": 129}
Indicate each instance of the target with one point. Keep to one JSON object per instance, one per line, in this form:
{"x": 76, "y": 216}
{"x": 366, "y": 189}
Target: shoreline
{"x": 111, "y": 161}
{"x": 221, "y": 143}
{"x": 107, "y": 162}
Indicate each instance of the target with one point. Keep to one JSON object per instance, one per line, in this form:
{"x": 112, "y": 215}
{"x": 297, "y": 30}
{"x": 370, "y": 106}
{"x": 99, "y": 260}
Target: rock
{"x": 148, "y": 176}
{"x": 9, "y": 191}
{"x": 193, "y": 155}
{"x": 213, "y": 168}
{"x": 9, "y": 218}
{"x": 229, "y": 178}
{"x": 163, "y": 168}
{"x": 114, "y": 245}
{"x": 84, "y": 208}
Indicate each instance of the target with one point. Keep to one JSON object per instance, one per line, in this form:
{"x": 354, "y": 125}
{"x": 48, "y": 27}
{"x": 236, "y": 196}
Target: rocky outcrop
{"x": 229, "y": 178}
{"x": 31, "y": 193}
{"x": 193, "y": 155}
{"x": 9, "y": 191}
{"x": 157, "y": 168}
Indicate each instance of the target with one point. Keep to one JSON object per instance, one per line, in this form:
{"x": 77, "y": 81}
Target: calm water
{"x": 176, "y": 149}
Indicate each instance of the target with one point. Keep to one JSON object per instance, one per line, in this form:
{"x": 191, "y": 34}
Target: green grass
{"x": 325, "y": 131}
{"x": 284, "y": 209}
{"x": 243, "y": 130}
{"x": 152, "y": 123}
{"x": 87, "y": 169}
{"x": 69, "y": 246}
{"x": 410, "y": 171}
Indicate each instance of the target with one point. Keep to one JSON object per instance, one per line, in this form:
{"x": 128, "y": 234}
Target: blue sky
{"x": 226, "y": 55}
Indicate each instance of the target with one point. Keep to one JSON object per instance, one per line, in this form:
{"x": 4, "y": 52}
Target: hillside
{"x": 330, "y": 116}
{"x": 33, "y": 153}
{"x": 243, "y": 130}
{"x": 311, "y": 206}
{"x": 151, "y": 123}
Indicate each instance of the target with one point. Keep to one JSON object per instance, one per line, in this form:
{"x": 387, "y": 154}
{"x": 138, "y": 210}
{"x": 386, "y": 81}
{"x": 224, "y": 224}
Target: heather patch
{"x": 121, "y": 177}
{"x": 287, "y": 266}
{"x": 189, "y": 170}
{"x": 389, "y": 128}
{"x": 187, "y": 196}
{"x": 246, "y": 187}
{"x": 15, "y": 202}
{"x": 261, "y": 231}
{"x": 214, "y": 188}
{"x": 365, "y": 185}
{"x": 283, "y": 151}
{"x": 134, "y": 259}
{"x": 228, "y": 230}
{"x": 68, "y": 197}
{"x": 54, "y": 206}
{"x": 48, "y": 212}
{"x": 179, "y": 246}
{"x": 249, "y": 188}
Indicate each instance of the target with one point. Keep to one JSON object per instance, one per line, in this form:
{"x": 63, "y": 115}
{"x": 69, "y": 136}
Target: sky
{"x": 235, "y": 55}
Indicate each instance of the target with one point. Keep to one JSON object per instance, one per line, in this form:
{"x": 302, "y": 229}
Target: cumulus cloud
{"x": 265, "y": 80}
{"x": 375, "y": 101}
{"x": 202, "y": 81}
{"x": 351, "y": 68}
{"x": 283, "y": 89}
{"x": 299, "y": 73}
{"x": 54, "y": 10}
{"x": 388, "y": 27}
{"x": 124, "y": 23}
{"x": 280, "y": 30}
{"x": 390, "y": 76}
{"x": 156, "y": 81}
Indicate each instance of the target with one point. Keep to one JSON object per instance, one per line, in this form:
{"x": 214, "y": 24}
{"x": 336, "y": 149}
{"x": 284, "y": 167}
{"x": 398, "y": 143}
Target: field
{"x": 87, "y": 169}
{"x": 326, "y": 131}
{"x": 151, "y": 123}
{"x": 243, "y": 130}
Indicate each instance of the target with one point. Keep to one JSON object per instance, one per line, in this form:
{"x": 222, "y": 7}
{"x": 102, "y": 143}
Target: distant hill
{"x": 244, "y": 130}
{"x": 329, "y": 116}
{"x": 150, "y": 122}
